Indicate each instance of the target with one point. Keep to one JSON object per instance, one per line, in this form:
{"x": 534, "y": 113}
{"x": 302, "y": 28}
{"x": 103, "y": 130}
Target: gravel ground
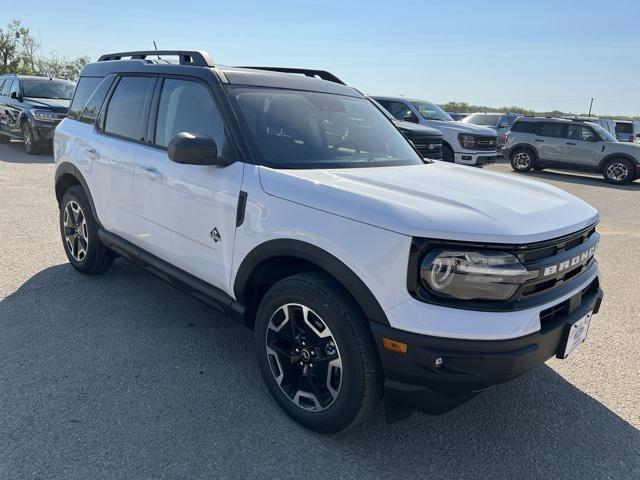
{"x": 122, "y": 377}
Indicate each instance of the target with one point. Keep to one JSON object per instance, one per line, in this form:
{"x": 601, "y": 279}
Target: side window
{"x": 6, "y": 88}
{"x": 400, "y": 110}
{"x": 128, "y": 109}
{"x": 96, "y": 100}
{"x": 84, "y": 89}
{"x": 1, "y": 83}
{"x": 187, "y": 106}
{"x": 523, "y": 126}
{"x": 580, "y": 132}
{"x": 15, "y": 88}
{"x": 551, "y": 129}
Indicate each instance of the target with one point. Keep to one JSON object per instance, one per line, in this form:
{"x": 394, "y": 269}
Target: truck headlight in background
{"x": 47, "y": 115}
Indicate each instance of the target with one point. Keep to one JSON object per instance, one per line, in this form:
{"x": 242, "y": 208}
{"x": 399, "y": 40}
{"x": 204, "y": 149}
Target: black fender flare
{"x": 613, "y": 155}
{"x": 317, "y": 256}
{"x": 67, "y": 168}
{"x": 522, "y": 146}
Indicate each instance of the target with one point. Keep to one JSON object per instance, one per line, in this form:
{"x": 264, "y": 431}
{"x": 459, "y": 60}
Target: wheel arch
{"x": 67, "y": 175}
{"x": 613, "y": 156}
{"x": 275, "y": 260}
{"x": 524, "y": 146}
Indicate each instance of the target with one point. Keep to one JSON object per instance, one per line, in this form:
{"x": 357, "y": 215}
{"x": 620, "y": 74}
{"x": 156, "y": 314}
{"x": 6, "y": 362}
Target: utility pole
{"x": 591, "y": 105}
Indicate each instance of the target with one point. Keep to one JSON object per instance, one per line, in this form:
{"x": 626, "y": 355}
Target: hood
{"x": 417, "y": 129}
{"x": 55, "y": 104}
{"x": 439, "y": 200}
{"x": 461, "y": 127}
{"x": 629, "y": 148}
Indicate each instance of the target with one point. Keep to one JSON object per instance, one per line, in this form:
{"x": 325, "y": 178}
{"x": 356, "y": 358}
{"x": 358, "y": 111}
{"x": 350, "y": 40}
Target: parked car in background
{"x": 636, "y": 130}
{"x": 625, "y": 131}
{"x": 500, "y": 122}
{"x": 427, "y": 140}
{"x": 462, "y": 143}
{"x": 31, "y": 108}
{"x": 537, "y": 143}
{"x": 458, "y": 117}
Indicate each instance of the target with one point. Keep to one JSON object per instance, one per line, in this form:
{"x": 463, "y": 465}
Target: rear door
{"x": 186, "y": 214}
{"x": 583, "y": 146}
{"x": 549, "y": 140}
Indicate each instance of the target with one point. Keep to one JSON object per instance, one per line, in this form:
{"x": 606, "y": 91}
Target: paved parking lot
{"x": 122, "y": 376}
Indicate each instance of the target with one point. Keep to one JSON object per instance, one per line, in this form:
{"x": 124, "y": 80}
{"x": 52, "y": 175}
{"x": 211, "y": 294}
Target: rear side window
{"x": 551, "y": 129}
{"x": 187, "y": 106}
{"x": 96, "y": 100}
{"x": 86, "y": 86}
{"x": 128, "y": 109}
{"x": 524, "y": 127}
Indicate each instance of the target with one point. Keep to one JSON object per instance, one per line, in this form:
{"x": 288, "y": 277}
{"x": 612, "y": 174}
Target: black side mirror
{"x": 410, "y": 118}
{"x": 15, "y": 95}
{"x": 194, "y": 149}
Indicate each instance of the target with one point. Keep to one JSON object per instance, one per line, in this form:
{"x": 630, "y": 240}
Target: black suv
{"x": 31, "y": 108}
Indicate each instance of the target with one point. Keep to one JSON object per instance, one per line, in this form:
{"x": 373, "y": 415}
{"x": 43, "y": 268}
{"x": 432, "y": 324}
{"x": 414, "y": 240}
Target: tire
{"x": 447, "y": 154}
{"x": 522, "y": 160}
{"x": 618, "y": 171}
{"x": 79, "y": 232}
{"x": 346, "y": 380}
{"x": 30, "y": 145}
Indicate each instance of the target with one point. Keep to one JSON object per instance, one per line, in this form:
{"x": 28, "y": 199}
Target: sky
{"x": 544, "y": 55}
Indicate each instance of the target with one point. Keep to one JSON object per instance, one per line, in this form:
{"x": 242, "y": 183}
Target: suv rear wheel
{"x": 79, "y": 231}
{"x": 522, "y": 160}
{"x": 618, "y": 171}
{"x": 316, "y": 355}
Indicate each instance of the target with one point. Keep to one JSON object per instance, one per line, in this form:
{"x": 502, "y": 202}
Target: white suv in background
{"x": 463, "y": 143}
{"x": 296, "y": 207}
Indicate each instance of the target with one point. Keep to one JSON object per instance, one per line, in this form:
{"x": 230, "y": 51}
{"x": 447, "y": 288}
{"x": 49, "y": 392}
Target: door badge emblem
{"x": 215, "y": 235}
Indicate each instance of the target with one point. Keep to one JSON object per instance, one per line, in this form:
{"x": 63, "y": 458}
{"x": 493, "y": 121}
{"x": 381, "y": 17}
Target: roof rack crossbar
{"x": 196, "y": 58}
{"x": 322, "y": 74}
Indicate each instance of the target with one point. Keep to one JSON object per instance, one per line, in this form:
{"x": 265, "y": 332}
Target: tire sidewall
{"x": 447, "y": 154}
{"x": 346, "y": 407}
{"x": 77, "y": 194}
{"x": 32, "y": 148}
{"x": 630, "y": 173}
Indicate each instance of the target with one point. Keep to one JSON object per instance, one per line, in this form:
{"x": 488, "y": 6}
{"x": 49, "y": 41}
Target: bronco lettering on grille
{"x": 571, "y": 262}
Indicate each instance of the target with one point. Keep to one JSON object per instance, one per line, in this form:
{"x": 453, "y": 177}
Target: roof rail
{"x": 196, "y": 58}
{"x": 322, "y": 74}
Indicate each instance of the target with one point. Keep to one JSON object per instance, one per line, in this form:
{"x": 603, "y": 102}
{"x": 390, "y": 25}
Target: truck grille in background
{"x": 486, "y": 143}
{"x": 428, "y": 147}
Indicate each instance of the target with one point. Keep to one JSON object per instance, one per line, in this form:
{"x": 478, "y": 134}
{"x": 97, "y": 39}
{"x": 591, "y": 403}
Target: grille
{"x": 557, "y": 253}
{"x": 559, "y": 312}
{"x": 429, "y": 148}
{"x": 486, "y": 143}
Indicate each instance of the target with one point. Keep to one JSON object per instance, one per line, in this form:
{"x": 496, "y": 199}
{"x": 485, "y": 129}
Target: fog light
{"x": 438, "y": 362}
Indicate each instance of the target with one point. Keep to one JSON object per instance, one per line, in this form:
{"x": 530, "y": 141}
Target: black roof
{"x": 200, "y": 64}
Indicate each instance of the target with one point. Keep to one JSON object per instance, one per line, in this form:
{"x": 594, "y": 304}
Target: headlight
{"x": 466, "y": 140}
{"x": 469, "y": 275}
{"x": 47, "y": 115}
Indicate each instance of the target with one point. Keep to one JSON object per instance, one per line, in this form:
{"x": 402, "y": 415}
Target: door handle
{"x": 538, "y": 140}
{"x": 152, "y": 173}
{"x": 91, "y": 152}
{"x": 570, "y": 143}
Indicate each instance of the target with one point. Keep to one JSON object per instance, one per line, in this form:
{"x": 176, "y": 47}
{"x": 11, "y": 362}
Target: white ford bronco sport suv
{"x": 296, "y": 207}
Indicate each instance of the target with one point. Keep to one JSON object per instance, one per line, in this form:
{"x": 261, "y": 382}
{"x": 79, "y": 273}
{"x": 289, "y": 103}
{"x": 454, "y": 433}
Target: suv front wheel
{"x": 30, "y": 145}
{"x": 522, "y": 160}
{"x": 79, "y": 231}
{"x": 316, "y": 355}
{"x": 618, "y": 171}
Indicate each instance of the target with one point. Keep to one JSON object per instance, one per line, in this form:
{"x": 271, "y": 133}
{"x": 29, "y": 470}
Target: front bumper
{"x": 470, "y": 366}
{"x": 476, "y": 158}
{"x": 43, "y": 130}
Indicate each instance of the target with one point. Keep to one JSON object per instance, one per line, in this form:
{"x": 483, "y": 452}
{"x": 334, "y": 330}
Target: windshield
{"x": 297, "y": 129}
{"x": 430, "y": 111}
{"x": 482, "y": 119}
{"x": 47, "y": 89}
{"x": 605, "y": 134}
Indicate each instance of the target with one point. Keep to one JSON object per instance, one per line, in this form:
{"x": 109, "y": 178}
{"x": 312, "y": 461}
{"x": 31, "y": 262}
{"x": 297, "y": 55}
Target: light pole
{"x": 591, "y": 105}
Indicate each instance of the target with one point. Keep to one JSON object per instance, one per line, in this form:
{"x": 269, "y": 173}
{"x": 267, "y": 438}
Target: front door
{"x": 187, "y": 213}
{"x": 583, "y": 146}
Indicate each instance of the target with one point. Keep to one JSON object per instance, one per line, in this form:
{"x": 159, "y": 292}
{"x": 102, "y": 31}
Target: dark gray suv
{"x": 538, "y": 143}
